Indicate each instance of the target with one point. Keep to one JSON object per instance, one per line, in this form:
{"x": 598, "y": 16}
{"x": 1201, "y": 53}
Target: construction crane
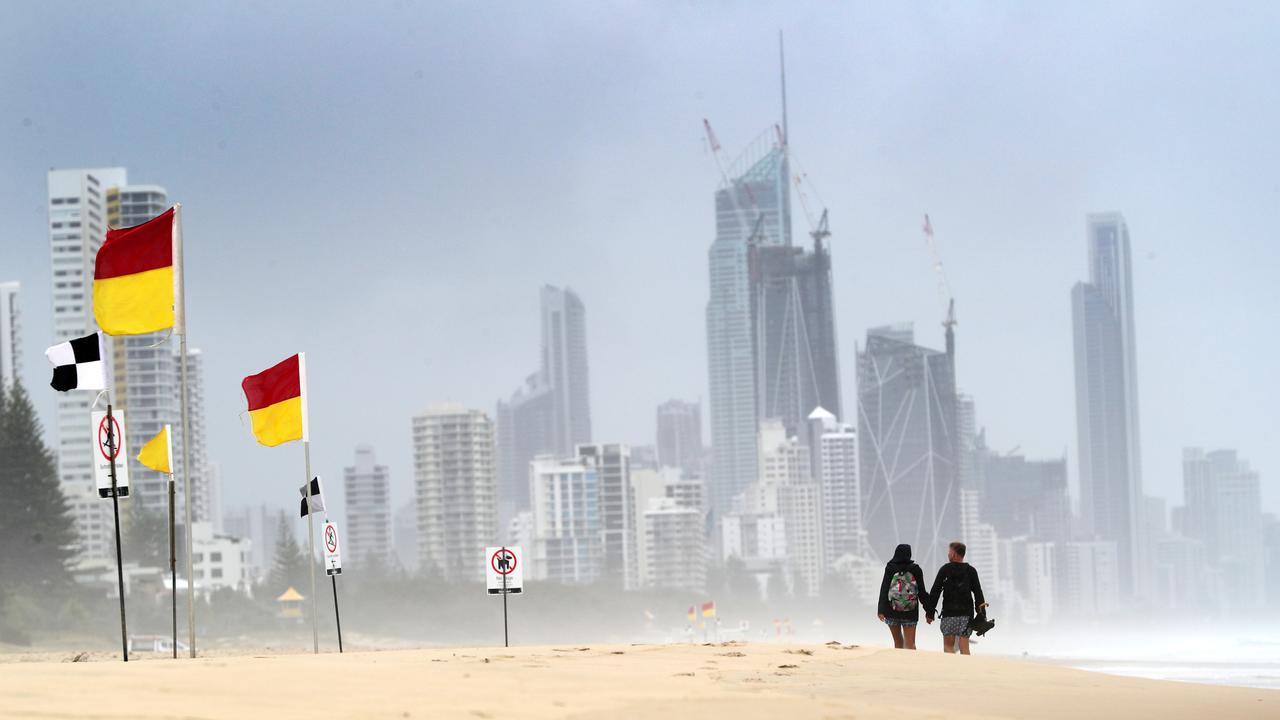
{"x": 944, "y": 288}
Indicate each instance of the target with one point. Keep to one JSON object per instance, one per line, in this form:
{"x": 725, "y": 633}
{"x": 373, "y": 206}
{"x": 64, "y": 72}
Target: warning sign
{"x": 505, "y": 570}
{"x": 332, "y": 553}
{"x": 109, "y": 444}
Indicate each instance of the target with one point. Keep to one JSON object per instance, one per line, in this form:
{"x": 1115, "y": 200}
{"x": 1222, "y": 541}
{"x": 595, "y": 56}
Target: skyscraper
{"x": 77, "y": 227}
{"x": 907, "y": 443}
{"x": 10, "y": 335}
{"x": 752, "y": 209}
{"x": 366, "y": 486}
{"x": 552, "y": 412}
{"x": 1224, "y": 512}
{"x": 793, "y": 319}
{"x": 454, "y": 474}
{"x": 680, "y": 436}
{"x": 1107, "y": 397}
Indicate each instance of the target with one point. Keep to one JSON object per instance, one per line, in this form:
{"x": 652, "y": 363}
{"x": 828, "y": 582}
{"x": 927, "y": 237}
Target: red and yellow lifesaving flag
{"x": 277, "y": 401}
{"x": 708, "y": 609}
{"x": 133, "y": 277}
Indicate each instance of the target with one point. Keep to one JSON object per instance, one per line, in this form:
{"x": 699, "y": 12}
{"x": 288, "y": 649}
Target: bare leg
{"x": 909, "y": 637}
{"x": 896, "y": 632}
{"x": 964, "y": 645}
{"x": 948, "y": 644}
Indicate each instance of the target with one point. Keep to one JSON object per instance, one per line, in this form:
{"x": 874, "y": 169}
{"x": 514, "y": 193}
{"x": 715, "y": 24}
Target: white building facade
{"x": 10, "y": 335}
{"x": 366, "y": 487}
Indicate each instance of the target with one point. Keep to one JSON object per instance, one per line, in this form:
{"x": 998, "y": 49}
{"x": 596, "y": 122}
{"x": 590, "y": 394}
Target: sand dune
{"x": 614, "y": 682}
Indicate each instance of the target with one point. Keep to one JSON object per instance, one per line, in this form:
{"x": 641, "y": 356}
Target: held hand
{"x": 881, "y": 616}
{"x": 928, "y": 618}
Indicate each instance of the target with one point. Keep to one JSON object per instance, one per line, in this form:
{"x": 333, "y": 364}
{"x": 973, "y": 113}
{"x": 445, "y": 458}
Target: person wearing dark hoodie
{"x": 901, "y": 593}
{"x": 956, "y": 584}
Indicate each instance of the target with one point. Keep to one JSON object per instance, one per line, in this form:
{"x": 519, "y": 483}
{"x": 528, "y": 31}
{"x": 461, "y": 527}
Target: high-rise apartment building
{"x": 907, "y": 444}
{"x": 617, "y": 514}
{"x": 77, "y": 227}
{"x": 10, "y": 335}
{"x": 834, "y": 456}
{"x": 1107, "y": 397}
{"x": 680, "y": 436}
{"x": 455, "y": 478}
{"x": 674, "y": 553}
{"x": 793, "y": 319}
{"x": 1224, "y": 512}
{"x": 366, "y": 488}
{"x": 552, "y": 412}
{"x": 1022, "y": 497}
{"x": 567, "y": 536}
{"x": 752, "y": 209}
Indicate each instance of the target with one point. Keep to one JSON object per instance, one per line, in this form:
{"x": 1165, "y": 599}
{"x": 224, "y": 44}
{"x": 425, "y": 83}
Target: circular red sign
{"x": 102, "y": 438}
{"x": 331, "y": 539}
{"x": 506, "y": 555}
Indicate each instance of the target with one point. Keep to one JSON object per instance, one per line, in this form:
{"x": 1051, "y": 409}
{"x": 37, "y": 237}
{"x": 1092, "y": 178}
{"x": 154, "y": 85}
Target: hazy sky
{"x": 386, "y": 186}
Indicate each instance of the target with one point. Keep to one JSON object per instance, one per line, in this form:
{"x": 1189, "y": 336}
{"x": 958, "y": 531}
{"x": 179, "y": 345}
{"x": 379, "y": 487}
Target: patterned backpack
{"x": 903, "y": 592}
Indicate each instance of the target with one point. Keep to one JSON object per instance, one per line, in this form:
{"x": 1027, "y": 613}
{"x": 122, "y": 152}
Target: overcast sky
{"x": 386, "y": 186}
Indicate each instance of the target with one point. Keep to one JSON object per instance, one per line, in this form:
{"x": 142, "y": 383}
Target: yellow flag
{"x": 157, "y": 454}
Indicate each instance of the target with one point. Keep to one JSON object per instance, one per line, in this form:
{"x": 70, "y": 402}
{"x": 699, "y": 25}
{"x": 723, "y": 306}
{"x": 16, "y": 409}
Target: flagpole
{"x": 173, "y": 540}
{"x": 180, "y": 323}
{"x": 311, "y": 534}
{"x": 311, "y": 547}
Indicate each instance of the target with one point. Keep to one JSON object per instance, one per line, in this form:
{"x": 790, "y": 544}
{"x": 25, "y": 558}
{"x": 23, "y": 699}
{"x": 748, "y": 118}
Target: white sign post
{"x": 333, "y": 568}
{"x": 103, "y": 455}
{"x": 505, "y": 573}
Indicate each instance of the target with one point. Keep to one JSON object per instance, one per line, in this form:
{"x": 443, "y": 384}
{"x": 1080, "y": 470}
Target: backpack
{"x": 904, "y": 594}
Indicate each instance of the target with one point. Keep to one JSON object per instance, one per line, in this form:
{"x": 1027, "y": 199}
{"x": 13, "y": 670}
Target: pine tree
{"x": 289, "y": 569}
{"x": 36, "y": 528}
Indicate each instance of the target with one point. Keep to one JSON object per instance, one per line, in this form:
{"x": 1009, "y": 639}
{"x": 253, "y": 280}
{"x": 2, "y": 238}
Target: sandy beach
{"x": 738, "y": 680}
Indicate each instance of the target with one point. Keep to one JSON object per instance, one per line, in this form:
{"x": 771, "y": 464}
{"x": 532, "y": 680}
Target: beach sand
{"x": 731, "y": 680}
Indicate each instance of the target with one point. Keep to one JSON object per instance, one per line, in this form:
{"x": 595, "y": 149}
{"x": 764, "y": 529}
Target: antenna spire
{"x": 782, "y": 64}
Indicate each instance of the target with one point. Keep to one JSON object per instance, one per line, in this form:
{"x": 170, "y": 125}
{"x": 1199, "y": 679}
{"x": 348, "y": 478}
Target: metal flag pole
{"x": 306, "y": 494}
{"x": 173, "y": 562}
{"x": 180, "y": 324}
{"x": 115, "y": 508}
{"x": 311, "y": 545}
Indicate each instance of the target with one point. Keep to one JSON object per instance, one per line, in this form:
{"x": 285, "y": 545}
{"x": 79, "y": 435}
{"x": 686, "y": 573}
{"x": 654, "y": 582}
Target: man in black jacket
{"x": 958, "y": 587}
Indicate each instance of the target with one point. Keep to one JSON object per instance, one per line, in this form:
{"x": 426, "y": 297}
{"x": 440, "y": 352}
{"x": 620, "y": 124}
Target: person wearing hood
{"x": 900, "y": 598}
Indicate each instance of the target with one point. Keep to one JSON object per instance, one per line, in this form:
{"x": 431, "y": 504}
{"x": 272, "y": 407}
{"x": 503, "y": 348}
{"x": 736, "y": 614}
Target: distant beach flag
{"x": 157, "y": 454}
{"x": 312, "y": 489}
{"x": 277, "y": 401}
{"x": 133, "y": 287}
{"x": 693, "y": 614}
{"x": 708, "y": 609}
{"x": 78, "y": 364}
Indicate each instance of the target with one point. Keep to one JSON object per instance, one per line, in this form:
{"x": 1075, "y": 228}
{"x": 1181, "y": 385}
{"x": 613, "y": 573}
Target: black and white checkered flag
{"x": 317, "y": 497}
{"x": 78, "y": 364}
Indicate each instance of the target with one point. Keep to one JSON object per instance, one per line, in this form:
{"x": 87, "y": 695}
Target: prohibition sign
{"x": 115, "y": 438}
{"x": 503, "y": 562}
{"x": 331, "y": 539}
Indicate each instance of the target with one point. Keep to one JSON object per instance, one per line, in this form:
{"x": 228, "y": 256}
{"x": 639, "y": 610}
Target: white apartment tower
{"x": 456, "y": 482}
{"x": 10, "y": 335}
{"x": 77, "y": 227}
{"x": 835, "y": 468}
{"x": 367, "y": 488}
{"x": 567, "y": 534}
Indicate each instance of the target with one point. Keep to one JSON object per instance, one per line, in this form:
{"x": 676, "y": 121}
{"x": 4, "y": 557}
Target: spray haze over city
{"x": 552, "y": 221}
